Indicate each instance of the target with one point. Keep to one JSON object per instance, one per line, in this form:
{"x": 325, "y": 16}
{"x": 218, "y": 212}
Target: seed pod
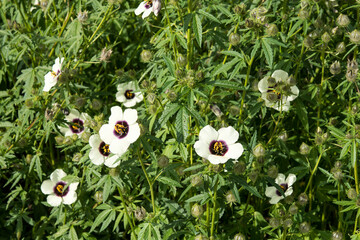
{"x": 272, "y": 171}
{"x": 234, "y": 39}
{"x": 340, "y": 48}
{"x": 304, "y": 149}
{"x": 230, "y": 197}
{"x": 105, "y": 55}
{"x": 200, "y": 237}
{"x": 197, "y": 210}
{"x": 146, "y": 56}
{"x": 336, "y": 235}
{"x": 355, "y": 36}
{"x": 181, "y": 60}
{"x": 351, "y": 193}
{"x": 196, "y": 181}
{"x": 82, "y": 17}
{"x": 98, "y": 196}
{"x": 303, "y": 199}
{"x": 303, "y": 14}
{"x": 272, "y": 29}
{"x": 335, "y": 68}
{"x": 343, "y": 20}
{"x": 304, "y": 227}
{"x": 326, "y": 37}
{"x": 163, "y": 161}
{"x": 239, "y": 236}
{"x": 140, "y": 213}
{"x": 216, "y": 110}
{"x": 283, "y": 136}
{"x": 239, "y": 168}
{"x": 287, "y": 223}
{"x": 308, "y": 42}
{"x": 274, "y": 222}
{"x": 293, "y": 209}
{"x": 259, "y": 151}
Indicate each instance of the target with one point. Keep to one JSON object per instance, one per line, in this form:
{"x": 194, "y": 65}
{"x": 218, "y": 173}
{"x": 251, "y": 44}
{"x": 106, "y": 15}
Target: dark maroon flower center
{"x": 104, "y": 149}
{"x": 218, "y": 148}
{"x": 77, "y": 125}
{"x": 148, "y": 4}
{"x": 129, "y": 94}
{"x": 121, "y": 129}
{"x": 284, "y": 187}
{"x": 60, "y": 189}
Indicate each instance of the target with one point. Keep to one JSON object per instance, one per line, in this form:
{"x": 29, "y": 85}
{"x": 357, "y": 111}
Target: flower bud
{"x": 96, "y": 104}
{"x": 85, "y": 137}
{"x": 352, "y": 65}
{"x": 234, "y": 110}
{"x": 293, "y": 209}
{"x": 145, "y": 56}
{"x": 355, "y": 36}
{"x": 336, "y": 31}
{"x": 79, "y": 102}
{"x": 272, "y": 97}
{"x": 180, "y": 171}
{"x": 77, "y": 157}
{"x": 181, "y": 60}
{"x": 326, "y": 37}
{"x": 336, "y": 235}
{"x": 82, "y": 16}
{"x": 216, "y": 110}
{"x": 283, "y": 136}
{"x": 259, "y": 151}
{"x": 197, "y": 210}
{"x": 234, "y": 39}
{"x": 196, "y": 181}
{"x": 335, "y": 68}
{"x": 239, "y": 168}
{"x": 98, "y": 196}
{"x": 240, "y": 9}
{"x": 171, "y": 95}
{"x": 351, "y": 75}
{"x": 343, "y": 20}
{"x": 199, "y": 75}
{"x": 28, "y": 158}
{"x": 351, "y": 193}
{"x": 274, "y": 222}
{"x": 272, "y": 29}
{"x": 272, "y": 171}
{"x": 304, "y": 149}
{"x": 341, "y": 47}
{"x": 318, "y": 23}
{"x": 308, "y": 42}
{"x": 140, "y": 213}
{"x": 230, "y": 197}
{"x": 163, "y": 161}
{"x": 253, "y": 175}
{"x": 303, "y": 199}
{"x": 249, "y": 23}
{"x": 239, "y": 236}
{"x": 59, "y": 140}
{"x": 304, "y": 227}
{"x": 303, "y": 14}
{"x": 287, "y": 223}
{"x": 338, "y": 164}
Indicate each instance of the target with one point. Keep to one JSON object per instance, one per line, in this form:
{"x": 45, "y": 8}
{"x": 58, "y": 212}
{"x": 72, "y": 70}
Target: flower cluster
{"x": 278, "y": 90}
{"x": 148, "y": 6}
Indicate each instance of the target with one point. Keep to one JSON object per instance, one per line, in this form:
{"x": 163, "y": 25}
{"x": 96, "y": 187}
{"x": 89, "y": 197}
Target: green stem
{"x": 214, "y": 209}
{"x": 244, "y": 92}
{"x": 188, "y": 36}
{"x": 149, "y": 182}
{"x": 126, "y": 212}
{"x": 314, "y": 170}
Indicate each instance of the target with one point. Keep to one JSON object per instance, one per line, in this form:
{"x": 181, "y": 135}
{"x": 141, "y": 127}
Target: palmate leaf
{"x": 197, "y": 28}
{"x": 268, "y": 52}
{"x": 168, "y": 112}
{"x": 181, "y": 125}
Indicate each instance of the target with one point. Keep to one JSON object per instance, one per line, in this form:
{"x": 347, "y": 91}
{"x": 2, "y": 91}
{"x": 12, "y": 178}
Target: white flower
{"x": 58, "y": 190}
{"x": 128, "y": 94}
{"x": 218, "y": 146}
{"x": 100, "y": 153}
{"x": 76, "y": 123}
{"x": 121, "y": 131}
{"x": 278, "y": 90}
{"x": 285, "y": 185}
{"x": 52, "y": 76}
{"x": 148, "y": 6}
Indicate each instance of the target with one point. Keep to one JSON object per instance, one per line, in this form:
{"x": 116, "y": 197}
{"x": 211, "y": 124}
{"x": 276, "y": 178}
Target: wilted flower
{"x": 76, "y": 122}
{"x": 352, "y": 70}
{"x": 105, "y": 55}
{"x": 218, "y": 146}
{"x": 82, "y": 16}
{"x": 121, "y": 131}
{"x": 148, "y": 6}
{"x": 140, "y": 213}
{"x": 58, "y": 190}
{"x": 100, "y": 153}
{"x": 277, "y": 91}
{"x": 128, "y": 94}
{"x": 216, "y": 110}
{"x": 52, "y": 77}
{"x": 284, "y": 184}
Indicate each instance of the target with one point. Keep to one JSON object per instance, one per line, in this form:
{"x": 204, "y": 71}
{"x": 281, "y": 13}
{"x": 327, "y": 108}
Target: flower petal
{"x": 73, "y": 186}
{"x": 289, "y": 191}
{"x": 70, "y": 197}
{"x": 50, "y": 81}
{"x": 119, "y": 146}
{"x": 295, "y": 93}
{"x": 280, "y": 76}
{"x": 112, "y": 161}
{"x": 120, "y": 97}
{"x": 116, "y": 115}
{"x": 134, "y": 133}
{"x": 208, "y": 134}
{"x": 228, "y": 134}
{"x": 54, "y": 200}
{"x": 130, "y": 116}
{"x": 130, "y": 102}
{"x": 107, "y": 133}
{"x": 147, "y": 12}
{"x": 57, "y": 175}
{"x": 234, "y": 151}
{"x": 47, "y": 187}
{"x": 73, "y": 114}
{"x": 96, "y": 157}
{"x": 214, "y": 159}
{"x": 280, "y": 179}
{"x": 291, "y": 179}
{"x": 202, "y": 149}
{"x": 275, "y": 199}
{"x": 270, "y": 191}
{"x": 95, "y": 141}
{"x": 141, "y": 8}
{"x": 263, "y": 84}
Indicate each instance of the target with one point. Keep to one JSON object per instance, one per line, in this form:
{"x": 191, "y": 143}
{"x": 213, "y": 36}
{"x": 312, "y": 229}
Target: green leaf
{"x": 169, "y": 181}
{"x": 145, "y": 232}
{"x": 228, "y": 84}
{"x": 224, "y": 68}
{"x": 107, "y": 188}
{"x": 200, "y": 197}
{"x": 181, "y": 125}
{"x": 168, "y": 112}
{"x": 108, "y": 220}
{"x": 196, "y": 115}
{"x": 336, "y": 132}
{"x": 100, "y": 218}
{"x": 244, "y": 184}
{"x": 268, "y": 52}
{"x": 72, "y": 233}
{"x": 209, "y": 16}
{"x": 302, "y": 114}
{"x": 170, "y": 65}
{"x": 197, "y": 28}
